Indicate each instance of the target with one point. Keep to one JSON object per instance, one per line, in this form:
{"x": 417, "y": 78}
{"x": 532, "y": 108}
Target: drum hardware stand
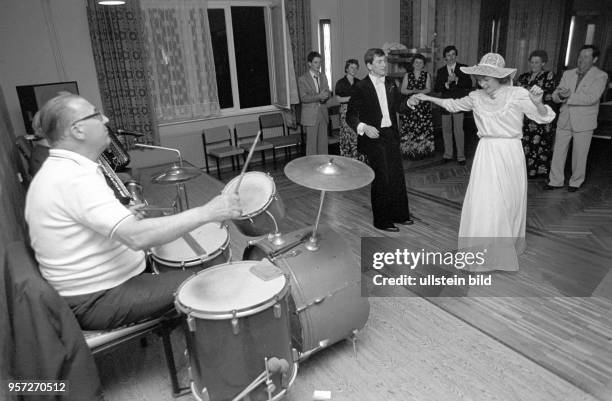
{"x": 274, "y": 254}
{"x": 305, "y": 355}
{"x": 275, "y": 237}
{"x": 313, "y": 242}
{"x": 353, "y": 339}
{"x": 264, "y": 377}
{"x": 181, "y": 202}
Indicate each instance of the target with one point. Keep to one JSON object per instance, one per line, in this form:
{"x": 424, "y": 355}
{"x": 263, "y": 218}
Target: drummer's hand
{"x": 135, "y": 209}
{"x": 225, "y": 206}
{"x": 370, "y": 131}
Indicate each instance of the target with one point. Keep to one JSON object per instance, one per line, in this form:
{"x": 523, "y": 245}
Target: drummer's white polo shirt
{"x": 72, "y": 215}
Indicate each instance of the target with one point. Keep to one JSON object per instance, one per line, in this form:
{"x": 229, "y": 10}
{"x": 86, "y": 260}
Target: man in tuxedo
{"x": 452, "y": 83}
{"x": 372, "y": 113}
{"x": 578, "y": 92}
{"x": 314, "y": 92}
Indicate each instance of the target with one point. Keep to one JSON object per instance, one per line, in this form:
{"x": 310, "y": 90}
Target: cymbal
{"x": 176, "y": 174}
{"x": 329, "y": 172}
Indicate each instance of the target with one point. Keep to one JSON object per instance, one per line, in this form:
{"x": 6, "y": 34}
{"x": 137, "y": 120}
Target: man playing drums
{"x": 88, "y": 245}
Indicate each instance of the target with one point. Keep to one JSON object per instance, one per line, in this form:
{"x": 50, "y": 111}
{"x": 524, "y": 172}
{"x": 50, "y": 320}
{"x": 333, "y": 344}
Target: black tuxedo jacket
{"x": 455, "y": 90}
{"x": 364, "y": 107}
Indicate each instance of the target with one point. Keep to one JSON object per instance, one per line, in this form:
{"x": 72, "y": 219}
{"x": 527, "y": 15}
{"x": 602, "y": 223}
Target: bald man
{"x": 89, "y": 246}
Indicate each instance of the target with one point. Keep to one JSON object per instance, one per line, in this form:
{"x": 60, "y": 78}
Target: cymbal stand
{"x": 313, "y": 242}
{"x": 181, "y": 201}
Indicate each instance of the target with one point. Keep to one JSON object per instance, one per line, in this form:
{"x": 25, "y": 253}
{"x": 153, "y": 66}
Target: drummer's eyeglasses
{"x": 97, "y": 115}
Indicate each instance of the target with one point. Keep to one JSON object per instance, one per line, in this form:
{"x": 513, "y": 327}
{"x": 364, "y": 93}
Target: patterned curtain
{"x": 406, "y": 23}
{"x": 457, "y": 23}
{"x": 183, "y": 79}
{"x": 298, "y": 21}
{"x": 120, "y": 59}
{"x": 532, "y": 25}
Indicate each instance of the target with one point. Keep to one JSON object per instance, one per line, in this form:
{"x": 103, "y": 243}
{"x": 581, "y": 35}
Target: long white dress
{"x": 495, "y": 204}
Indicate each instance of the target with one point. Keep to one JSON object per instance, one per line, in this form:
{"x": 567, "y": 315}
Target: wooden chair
{"x": 285, "y": 141}
{"x": 333, "y": 127}
{"x": 244, "y": 135}
{"x": 217, "y": 143}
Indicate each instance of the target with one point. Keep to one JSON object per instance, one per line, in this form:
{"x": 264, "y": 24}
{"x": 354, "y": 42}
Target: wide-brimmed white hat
{"x": 491, "y": 65}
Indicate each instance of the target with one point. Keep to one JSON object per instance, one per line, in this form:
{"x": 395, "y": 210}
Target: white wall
{"x": 357, "y": 25}
{"x": 45, "y": 41}
{"x": 48, "y": 41}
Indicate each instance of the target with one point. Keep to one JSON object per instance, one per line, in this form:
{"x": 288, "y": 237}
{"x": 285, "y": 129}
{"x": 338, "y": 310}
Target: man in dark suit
{"x": 452, "y": 83}
{"x": 372, "y": 114}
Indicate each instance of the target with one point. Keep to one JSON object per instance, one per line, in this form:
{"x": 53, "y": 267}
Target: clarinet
{"x": 116, "y": 155}
{"x": 121, "y": 192}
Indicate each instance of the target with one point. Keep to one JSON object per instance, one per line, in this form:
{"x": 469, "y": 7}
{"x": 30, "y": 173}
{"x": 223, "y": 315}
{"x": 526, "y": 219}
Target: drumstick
{"x": 248, "y": 160}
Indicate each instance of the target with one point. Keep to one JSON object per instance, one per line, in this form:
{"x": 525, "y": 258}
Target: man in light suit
{"x": 314, "y": 92}
{"x": 372, "y": 114}
{"x": 452, "y": 83}
{"x": 579, "y": 92}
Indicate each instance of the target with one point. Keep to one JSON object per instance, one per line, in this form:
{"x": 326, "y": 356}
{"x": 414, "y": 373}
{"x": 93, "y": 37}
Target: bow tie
{"x": 379, "y": 80}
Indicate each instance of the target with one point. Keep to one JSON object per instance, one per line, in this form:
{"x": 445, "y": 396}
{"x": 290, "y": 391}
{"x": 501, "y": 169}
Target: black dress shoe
{"x": 461, "y": 162}
{"x": 550, "y": 187}
{"x": 408, "y": 222}
{"x": 391, "y": 229}
{"x": 444, "y": 161}
{"x": 572, "y": 189}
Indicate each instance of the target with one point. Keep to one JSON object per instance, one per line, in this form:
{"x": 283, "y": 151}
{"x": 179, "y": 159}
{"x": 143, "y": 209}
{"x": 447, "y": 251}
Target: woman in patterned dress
{"x": 416, "y": 127}
{"x": 538, "y": 138}
{"x": 344, "y": 86}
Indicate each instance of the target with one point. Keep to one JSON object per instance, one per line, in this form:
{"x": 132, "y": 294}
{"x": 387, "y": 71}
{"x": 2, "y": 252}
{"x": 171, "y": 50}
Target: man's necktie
{"x": 316, "y": 78}
{"x": 580, "y": 76}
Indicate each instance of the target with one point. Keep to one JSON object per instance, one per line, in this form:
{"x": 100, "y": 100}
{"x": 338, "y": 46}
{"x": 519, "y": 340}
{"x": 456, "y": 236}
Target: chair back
{"x": 245, "y": 132}
{"x": 274, "y": 122}
{"x": 216, "y": 136}
{"x": 334, "y": 119}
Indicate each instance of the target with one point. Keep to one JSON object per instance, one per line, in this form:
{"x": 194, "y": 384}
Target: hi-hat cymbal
{"x": 176, "y": 174}
{"x": 329, "y": 172}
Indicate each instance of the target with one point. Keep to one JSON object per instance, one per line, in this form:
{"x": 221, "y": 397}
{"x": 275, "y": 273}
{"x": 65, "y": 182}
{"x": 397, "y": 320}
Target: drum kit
{"x": 249, "y": 323}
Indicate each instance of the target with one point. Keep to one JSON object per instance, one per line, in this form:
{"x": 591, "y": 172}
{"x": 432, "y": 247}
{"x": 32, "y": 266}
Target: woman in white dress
{"x": 495, "y": 204}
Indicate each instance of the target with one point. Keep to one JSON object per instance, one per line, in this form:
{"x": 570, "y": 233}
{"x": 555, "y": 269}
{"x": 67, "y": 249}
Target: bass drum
{"x": 326, "y": 304}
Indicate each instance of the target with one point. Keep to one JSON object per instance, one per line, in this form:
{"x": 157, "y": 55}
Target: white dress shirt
{"x": 381, "y": 92}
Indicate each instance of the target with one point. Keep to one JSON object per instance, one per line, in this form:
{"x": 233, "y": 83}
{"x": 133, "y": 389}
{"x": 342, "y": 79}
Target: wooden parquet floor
{"x": 584, "y": 217}
{"x": 554, "y": 347}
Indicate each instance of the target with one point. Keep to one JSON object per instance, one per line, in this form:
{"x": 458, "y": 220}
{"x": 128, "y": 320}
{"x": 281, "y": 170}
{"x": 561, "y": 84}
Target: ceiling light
{"x": 111, "y": 2}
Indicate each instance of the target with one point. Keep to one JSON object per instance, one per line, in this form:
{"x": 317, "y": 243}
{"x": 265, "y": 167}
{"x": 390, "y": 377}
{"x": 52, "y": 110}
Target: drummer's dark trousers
{"x": 142, "y": 297}
{"x": 389, "y": 197}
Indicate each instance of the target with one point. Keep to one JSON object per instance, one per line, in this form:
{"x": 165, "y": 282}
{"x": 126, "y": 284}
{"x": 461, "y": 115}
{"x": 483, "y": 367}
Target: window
{"x": 244, "y": 83}
{"x": 210, "y": 61}
{"x": 568, "y": 52}
{"x": 325, "y": 46}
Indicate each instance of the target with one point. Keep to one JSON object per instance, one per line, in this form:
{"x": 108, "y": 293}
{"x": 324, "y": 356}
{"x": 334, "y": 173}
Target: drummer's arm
{"x": 146, "y": 233}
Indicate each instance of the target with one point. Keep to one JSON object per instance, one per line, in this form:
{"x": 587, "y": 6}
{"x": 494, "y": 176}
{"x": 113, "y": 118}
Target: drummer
{"x": 89, "y": 246}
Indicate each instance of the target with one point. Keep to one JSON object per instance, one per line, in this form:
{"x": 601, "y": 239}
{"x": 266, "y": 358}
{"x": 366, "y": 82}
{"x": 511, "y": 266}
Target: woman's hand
{"x": 414, "y": 100}
{"x": 535, "y": 94}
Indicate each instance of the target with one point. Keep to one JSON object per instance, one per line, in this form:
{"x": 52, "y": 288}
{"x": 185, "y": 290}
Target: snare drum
{"x": 211, "y": 248}
{"x": 326, "y": 304}
{"x": 262, "y": 207}
{"x": 236, "y": 317}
